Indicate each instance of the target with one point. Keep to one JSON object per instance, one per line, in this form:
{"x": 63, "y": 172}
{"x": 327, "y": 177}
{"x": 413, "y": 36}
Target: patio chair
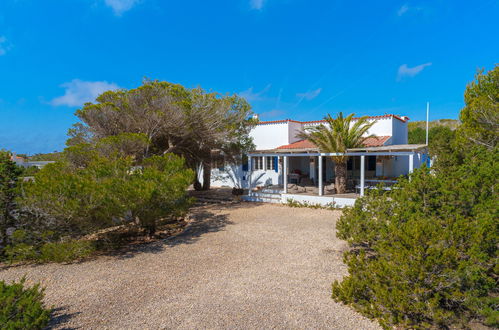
{"x": 306, "y": 182}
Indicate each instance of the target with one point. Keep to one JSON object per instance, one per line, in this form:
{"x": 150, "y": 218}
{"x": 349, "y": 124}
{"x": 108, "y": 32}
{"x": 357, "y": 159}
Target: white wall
{"x": 382, "y": 127}
{"x": 396, "y": 166}
{"x": 234, "y": 176}
{"x": 294, "y": 132}
{"x": 270, "y": 136}
{"x": 399, "y": 132}
{"x": 231, "y": 176}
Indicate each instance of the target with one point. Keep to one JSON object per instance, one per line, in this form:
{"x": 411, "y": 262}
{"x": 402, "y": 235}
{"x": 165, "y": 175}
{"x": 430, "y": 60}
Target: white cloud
{"x": 405, "y": 71}
{"x": 79, "y": 92}
{"x": 402, "y": 10}
{"x": 406, "y": 9}
{"x": 251, "y": 96}
{"x": 121, "y": 6}
{"x": 310, "y": 95}
{"x": 257, "y": 4}
{"x": 4, "y": 47}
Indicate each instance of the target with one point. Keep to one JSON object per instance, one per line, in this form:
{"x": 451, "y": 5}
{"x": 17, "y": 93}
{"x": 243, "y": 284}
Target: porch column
{"x": 321, "y": 192}
{"x": 362, "y": 174}
{"x": 250, "y": 170}
{"x": 411, "y": 163}
{"x": 285, "y": 173}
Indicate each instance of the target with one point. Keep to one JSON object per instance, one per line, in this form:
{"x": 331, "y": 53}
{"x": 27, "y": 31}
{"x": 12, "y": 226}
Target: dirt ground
{"x": 236, "y": 266}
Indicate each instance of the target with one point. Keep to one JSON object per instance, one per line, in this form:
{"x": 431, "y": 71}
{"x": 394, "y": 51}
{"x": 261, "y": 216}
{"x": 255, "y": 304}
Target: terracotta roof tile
{"x": 376, "y": 141}
{"x": 302, "y": 144}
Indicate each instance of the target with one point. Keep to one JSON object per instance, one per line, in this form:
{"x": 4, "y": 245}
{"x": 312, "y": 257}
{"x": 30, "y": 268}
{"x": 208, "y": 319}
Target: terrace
{"x": 307, "y": 175}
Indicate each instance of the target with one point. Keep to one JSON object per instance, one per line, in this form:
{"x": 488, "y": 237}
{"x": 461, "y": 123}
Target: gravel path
{"x": 245, "y": 266}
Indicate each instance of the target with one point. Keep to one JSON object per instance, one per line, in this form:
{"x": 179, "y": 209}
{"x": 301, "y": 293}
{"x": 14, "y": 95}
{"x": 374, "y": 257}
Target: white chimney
{"x": 256, "y": 116}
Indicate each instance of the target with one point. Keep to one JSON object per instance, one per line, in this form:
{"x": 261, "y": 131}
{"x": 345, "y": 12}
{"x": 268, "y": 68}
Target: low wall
{"x": 322, "y": 200}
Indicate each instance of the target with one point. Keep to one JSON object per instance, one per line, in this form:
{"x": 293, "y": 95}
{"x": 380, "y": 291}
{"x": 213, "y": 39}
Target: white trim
{"x": 362, "y": 174}
{"x": 285, "y": 174}
{"x": 321, "y": 190}
{"x": 395, "y": 153}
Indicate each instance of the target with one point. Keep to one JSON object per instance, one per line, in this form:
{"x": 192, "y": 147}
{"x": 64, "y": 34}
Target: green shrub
{"x": 20, "y": 252}
{"x": 294, "y": 203}
{"x": 25, "y": 248}
{"x": 65, "y": 251}
{"x": 22, "y": 308}
{"x": 105, "y": 192}
{"x": 426, "y": 254}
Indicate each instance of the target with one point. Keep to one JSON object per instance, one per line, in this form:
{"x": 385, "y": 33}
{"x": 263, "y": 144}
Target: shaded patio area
{"x": 307, "y": 171}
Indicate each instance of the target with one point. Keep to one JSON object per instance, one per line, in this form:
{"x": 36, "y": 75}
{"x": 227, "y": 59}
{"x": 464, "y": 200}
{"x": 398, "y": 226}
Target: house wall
{"x": 230, "y": 176}
{"x": 294, "y": 132}
{"x": 382, "y": 127}
{"x": 270, "y": 136}
{"x": 394, "y": 166}
{"x": 264, "y": 178}
{"x": 399, "y": 132}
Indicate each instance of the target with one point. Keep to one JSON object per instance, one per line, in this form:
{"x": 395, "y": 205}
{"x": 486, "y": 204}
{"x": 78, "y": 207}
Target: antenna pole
{"x": 427, "y": 120}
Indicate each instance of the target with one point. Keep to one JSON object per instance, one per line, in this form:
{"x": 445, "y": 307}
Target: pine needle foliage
{"x": 22, "y": 308}
{"x": 425, "y": 255}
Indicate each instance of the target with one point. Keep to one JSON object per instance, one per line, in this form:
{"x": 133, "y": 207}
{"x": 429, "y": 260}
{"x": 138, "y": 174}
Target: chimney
{"x": 256, "y": 116}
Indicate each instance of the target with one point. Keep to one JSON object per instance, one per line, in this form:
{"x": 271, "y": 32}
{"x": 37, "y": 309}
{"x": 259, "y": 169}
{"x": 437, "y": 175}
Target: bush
{"x": 65, "y": 251}
{"x": 50, "y": 252}
{"x": 426, "y": 254}
{"x": 105, "y": 192}
{"x": 22, "y": 308}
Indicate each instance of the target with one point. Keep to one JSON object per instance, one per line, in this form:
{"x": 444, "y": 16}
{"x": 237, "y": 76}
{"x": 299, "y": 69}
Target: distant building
{"x": 22, "y": 162}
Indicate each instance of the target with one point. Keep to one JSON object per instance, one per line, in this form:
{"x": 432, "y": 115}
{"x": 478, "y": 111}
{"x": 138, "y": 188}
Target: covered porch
{"x": 309, "y": 175}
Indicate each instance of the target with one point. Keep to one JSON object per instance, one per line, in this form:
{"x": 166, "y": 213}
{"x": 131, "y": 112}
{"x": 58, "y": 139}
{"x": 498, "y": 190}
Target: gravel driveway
{"x": 240, "y": 266}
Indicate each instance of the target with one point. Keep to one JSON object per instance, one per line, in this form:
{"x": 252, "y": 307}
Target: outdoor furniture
{"x": 294, "y": 178}
{"x": 330, "y": 188}
{"x": 373, "y": 184}
{"x": 306, "y": 182}
{"x": 350, "y": 184}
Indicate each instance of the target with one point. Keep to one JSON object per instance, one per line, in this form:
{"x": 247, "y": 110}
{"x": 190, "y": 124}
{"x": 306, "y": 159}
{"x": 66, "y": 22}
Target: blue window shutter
{"x": 276, "y": 164}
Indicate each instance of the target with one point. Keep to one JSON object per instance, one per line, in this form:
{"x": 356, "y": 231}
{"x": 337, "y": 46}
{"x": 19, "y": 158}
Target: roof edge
{"x": 322, "y": 120}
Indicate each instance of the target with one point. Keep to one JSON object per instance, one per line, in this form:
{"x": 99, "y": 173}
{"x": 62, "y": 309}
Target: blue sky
{"x": 295, "y": 59}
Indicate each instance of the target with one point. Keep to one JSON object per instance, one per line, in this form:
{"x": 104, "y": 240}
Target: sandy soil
{"x": 240, "y": 266}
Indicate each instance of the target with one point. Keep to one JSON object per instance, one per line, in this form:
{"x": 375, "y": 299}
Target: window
{"x": 257, "y": 163}
{"x": 350, "y": 164}
{"x": 371, "y": 163}
{"x": 270, "y": 163}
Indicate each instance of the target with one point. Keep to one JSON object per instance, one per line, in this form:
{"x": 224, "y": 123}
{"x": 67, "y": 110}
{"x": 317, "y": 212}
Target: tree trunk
{"x": 206, "y": 175}
{"x": 197, "y": 184}
{"x": 340, "y": 170}
{"x": 151, "y": 229}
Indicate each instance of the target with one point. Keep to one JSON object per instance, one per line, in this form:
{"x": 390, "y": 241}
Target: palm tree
{"x": 337, "y": 135}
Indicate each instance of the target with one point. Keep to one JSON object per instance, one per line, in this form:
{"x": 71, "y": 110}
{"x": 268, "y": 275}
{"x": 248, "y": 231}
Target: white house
{"x": 20, "y": 161}
{"x": 285, "y": 167}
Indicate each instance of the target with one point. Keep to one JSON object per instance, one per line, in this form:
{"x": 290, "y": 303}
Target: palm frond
{"x": 338, "y": 134}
